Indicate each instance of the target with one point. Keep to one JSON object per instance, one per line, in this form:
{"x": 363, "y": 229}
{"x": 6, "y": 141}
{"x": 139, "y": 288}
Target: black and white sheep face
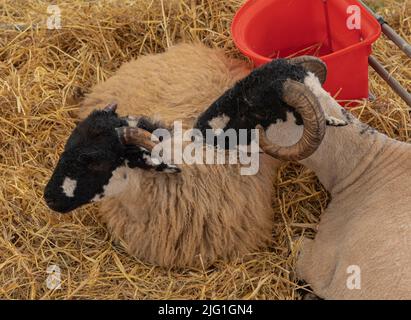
{"x": 255, "y": 100}
{"x": 283, "y": 98}
{"x": 96, "y": 163}
{"x": 288, "y": 132}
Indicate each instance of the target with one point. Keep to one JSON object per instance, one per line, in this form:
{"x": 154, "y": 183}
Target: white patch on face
{"x": 69, "y": 186}
{"x": 331, "y": 107}
{"x": 285, "y": 133}
{"x": 97, "y": 197}
{"x": 219, "y": 122}
{"x": 314, "y": 84}
{"x": 132, "y": 121}
{"x": 117, "y": 183}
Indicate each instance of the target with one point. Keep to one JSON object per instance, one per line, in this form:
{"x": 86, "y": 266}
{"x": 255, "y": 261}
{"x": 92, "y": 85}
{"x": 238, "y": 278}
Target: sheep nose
{"x": 49, "y": 199}
{"x": 50, "y": 202}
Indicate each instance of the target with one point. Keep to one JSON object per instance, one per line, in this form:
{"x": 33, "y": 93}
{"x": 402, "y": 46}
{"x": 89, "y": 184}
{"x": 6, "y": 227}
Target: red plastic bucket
{"x": 268, "y": 29}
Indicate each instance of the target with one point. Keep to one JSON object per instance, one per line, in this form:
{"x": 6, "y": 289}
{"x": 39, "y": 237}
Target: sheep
{"x": 362, "y": 247}
{"x": 166, "y": 215}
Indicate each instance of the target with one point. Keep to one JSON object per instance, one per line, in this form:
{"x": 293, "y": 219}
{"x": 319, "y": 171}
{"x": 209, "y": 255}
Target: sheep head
{"x": 97, "y": 157}
{"x": 275, "y": 99}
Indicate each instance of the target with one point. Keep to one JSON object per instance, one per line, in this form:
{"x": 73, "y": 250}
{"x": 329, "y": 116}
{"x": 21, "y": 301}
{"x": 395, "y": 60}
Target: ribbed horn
{"x": 306, "y": 104}
{"x": 136, "y": 136}
{"x": 312, "y": 64}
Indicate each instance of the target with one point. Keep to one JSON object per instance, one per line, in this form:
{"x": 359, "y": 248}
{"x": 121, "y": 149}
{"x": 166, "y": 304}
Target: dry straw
{"x": 39, "y": 71}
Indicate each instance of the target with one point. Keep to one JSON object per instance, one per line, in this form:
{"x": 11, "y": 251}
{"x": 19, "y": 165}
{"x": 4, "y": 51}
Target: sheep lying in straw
{"x": 362, "y": 248}
{"x": 164, "y": 216}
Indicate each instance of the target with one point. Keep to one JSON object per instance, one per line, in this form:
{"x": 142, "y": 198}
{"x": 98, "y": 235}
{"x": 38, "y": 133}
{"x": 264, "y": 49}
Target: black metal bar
{"x": 392, "y": 82}
{"x": 394, "y": 37}
{"x": 390, "y": 32}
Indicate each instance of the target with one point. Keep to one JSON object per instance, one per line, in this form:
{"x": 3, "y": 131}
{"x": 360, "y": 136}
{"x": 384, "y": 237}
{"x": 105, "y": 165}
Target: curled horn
{"x": 312, "y": 64}
{"x": 136, "y": 136}
{"x": 306, "y": 104}
{"x": 111, "y": 107}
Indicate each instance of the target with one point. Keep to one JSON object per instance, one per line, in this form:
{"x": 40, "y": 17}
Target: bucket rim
{"x": 247, "y": 51}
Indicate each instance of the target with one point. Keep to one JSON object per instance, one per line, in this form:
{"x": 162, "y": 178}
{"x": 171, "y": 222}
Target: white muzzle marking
{"x": 69, "y": 186}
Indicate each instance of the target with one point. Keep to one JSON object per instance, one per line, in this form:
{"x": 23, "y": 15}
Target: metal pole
{"x": 402, "y": 44}
{"x": 390, "y": 33}
{"x": 392, "y": 82}
{"x": 394, "y": 37}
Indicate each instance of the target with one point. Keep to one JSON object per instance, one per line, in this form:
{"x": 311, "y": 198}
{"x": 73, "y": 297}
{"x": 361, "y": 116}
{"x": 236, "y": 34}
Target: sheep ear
{"x": 112, "y": 107}
{"x": 138, "y": 157}
{"x": 138, "y": 150}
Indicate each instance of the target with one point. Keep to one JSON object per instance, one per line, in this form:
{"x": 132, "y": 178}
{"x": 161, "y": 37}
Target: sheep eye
{"x": 84, "y": 158}
{"x": 87, "y": 158}
{"x": 94, "y": 162}
{"x": 102, "y": 166}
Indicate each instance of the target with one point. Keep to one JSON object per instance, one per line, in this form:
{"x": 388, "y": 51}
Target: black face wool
{"x": 92, "y": 152}
{"x": 256, "y": 99}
